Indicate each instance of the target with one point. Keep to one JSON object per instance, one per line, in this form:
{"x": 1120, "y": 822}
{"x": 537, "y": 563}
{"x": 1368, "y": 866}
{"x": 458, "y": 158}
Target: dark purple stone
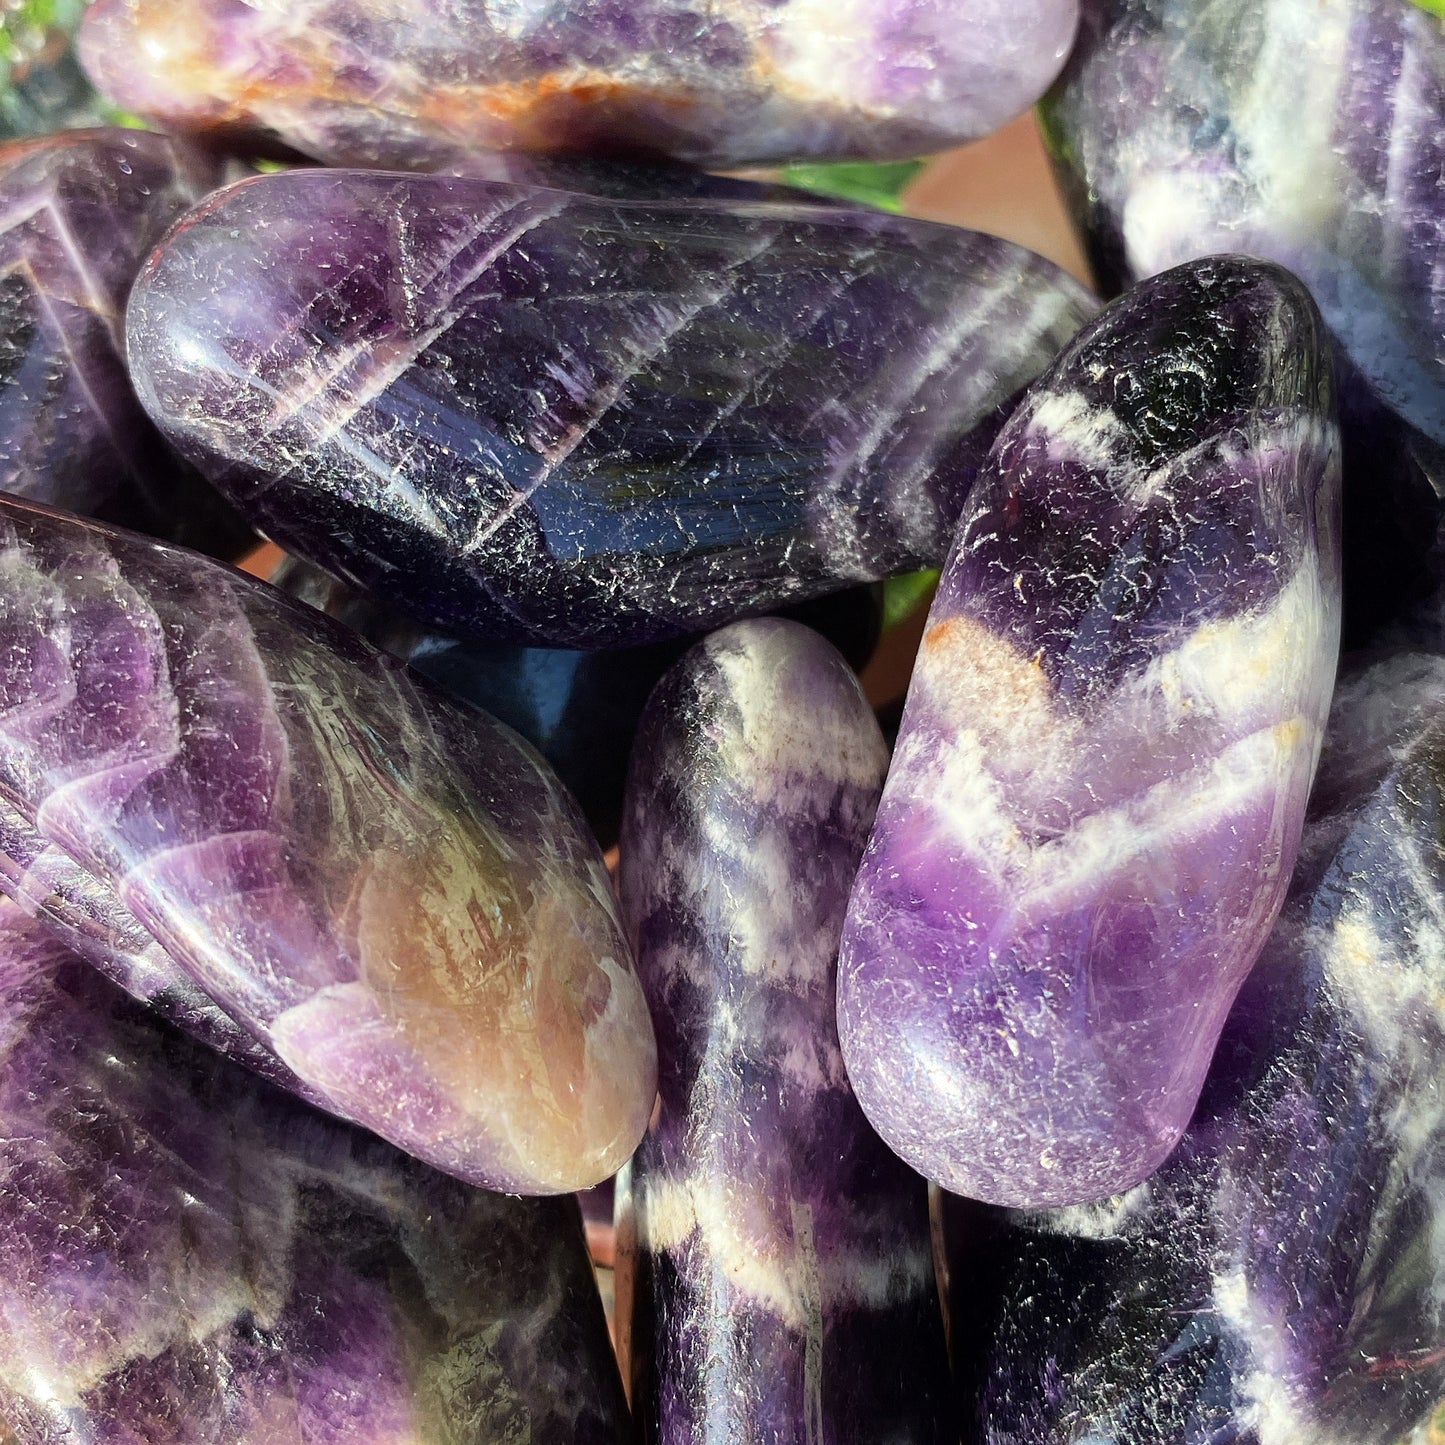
{"x": 79, "y": 212}
{"x": 303, "y": 852}
{"x": 1101, "y": 771}
{"x": 784, "y": 1283}
{"x": 188, "y": 1255}
{"x": 1310, "y": 132}
{"x": 529, "y": 415}
{"x": 1279, "y": 1279}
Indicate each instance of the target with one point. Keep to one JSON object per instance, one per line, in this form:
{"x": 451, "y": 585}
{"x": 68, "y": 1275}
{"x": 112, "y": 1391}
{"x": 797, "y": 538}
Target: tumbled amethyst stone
{"x": 1311, "y": 132}
{"x": 1101, "y": 771}
{"x": 300, "y": 850}
{"x": 1279, "y": 1279}
{"x": 525, "y": 414}
{"x": 79, "y": 212}
{"x": 784, "y": 1287}
{"x": 728, "y": 82}
{"x": 188, "y": 1255}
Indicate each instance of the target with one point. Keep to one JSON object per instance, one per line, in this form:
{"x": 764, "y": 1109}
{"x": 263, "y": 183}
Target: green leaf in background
{"x": 878, "y": 183}
{"x": 903, "y": 596}
{"x": 1435, "y": 7}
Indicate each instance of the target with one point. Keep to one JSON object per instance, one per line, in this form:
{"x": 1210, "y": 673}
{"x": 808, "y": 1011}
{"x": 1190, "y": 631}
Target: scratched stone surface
{"x": 525, "y": 414}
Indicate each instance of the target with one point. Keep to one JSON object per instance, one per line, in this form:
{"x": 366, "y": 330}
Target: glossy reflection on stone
{"x": 1311, "y": 132}
{"x": 578, "y": 709}
{"x": 784, "y": 1287}
{"x": 523, "y": 414}
{"x": 302, "y": 851}
{"x": 360, "y": 82}
{"x": 79, "y": 212}
{"x": 1101, "y": 772}
{"x": 191, "y": 1256}
{"x": 1279, "y": 1279}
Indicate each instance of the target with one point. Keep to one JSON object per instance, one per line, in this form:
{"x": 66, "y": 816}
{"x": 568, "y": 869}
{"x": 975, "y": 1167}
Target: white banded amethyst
{"x": 1279, "y": 1279}
{"x": 784, "y": 1285}
{"x": 526, "y": 414}
{"x": 79, "y": 212}
{"x": 1102, "y": 767}
{"x": 190, "y": 1256}
{"x": 300, "y": 850}
{"x": 719, "y": 82}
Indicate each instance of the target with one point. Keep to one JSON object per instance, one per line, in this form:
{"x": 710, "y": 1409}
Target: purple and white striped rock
{"x": 1102, "y": 768}
{"x": 530, "y": 415}
{"x": 784, "y": 1286}
{"x": 188, "y": 1255}
{"x": 79, "y": 212}
{"x": 726, "y": 82}
{"x": 301, "y": 851}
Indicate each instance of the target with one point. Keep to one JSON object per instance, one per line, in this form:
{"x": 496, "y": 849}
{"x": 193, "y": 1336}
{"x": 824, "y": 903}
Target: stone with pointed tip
{"x": 530, "y": 415}
{"x": 1102, "y": 767}
{"x": 1310, "y": 132}
{"x": 1279, "y": 1278}
{"x": 79, "y": 212}
{"x": 726, "y": 83}
{"x": 251, "y": 817}
{"x": 785, "y": 1273}
{"x": 190, "y": 1255}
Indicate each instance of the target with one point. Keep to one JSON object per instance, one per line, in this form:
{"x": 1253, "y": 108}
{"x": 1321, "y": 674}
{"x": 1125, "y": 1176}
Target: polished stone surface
{"x": 190, "y": 1256}
{"x": 79, "y": 211}
{"x": 784, "y": 1287}
{"x": 1279, "y": 1279}
{"x": 1310, "y": 132}
{"x": 1101, "y": 772}
{"x": 578, "y": 709}
{"x": 727, "y": 82}
{"x": 301, "y": 850}
{"x": 522, "y": 414}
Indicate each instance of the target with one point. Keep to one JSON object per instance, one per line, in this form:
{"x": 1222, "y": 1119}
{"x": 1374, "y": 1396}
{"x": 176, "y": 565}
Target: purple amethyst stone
{"x": 530, "y": 415}
{"x": 714, "y": 82}
{"x": 298, "y": 849}
{"x": 784, "y": 1287}
{"x": 1102, "y": 767}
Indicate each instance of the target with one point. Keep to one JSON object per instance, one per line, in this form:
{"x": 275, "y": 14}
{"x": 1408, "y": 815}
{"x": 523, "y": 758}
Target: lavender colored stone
{"x": 1279, "y": 1279}
{"x": 1101, "y": 772}
{"x": 294, "y": 846}
{"x": 528, "y": 415}
{"x": 359, "y": 82}
{"x": 578, "y": 709}
{"x": 191, "y": 1256}
{"x": 1311, "y": 132}
{"x": 78, "y": 213}
{"x": 785, "y": 1282}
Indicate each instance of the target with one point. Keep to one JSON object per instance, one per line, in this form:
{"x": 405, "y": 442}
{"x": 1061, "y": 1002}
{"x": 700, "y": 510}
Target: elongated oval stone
{"x": 1311, "y": 132}
{"x": 359, "y": 82}
{"x": 78, "y": 214}
{"x": 785, "y": 1288}
{"x": 253, "y": 818}
{"x": 1101, "y": 772}
{"x": 1279, "y": 1278}
{"x": 529, "y": 415}
{"x": 189, "y": 1255}
{"x": 578, "y": 709}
